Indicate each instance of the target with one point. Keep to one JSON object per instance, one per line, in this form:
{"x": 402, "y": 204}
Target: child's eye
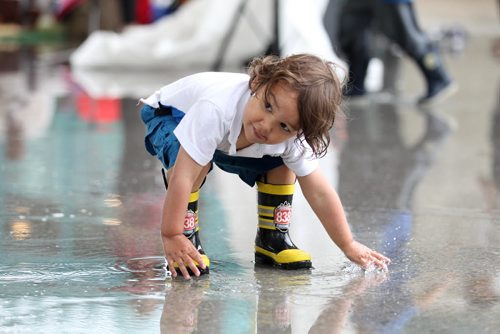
{"x": 268, "y": 106}
{"x": 284, "y": 127}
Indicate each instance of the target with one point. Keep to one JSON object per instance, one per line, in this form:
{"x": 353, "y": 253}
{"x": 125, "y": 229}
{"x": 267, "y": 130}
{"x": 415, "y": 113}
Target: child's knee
{"x": 280, "y": 175}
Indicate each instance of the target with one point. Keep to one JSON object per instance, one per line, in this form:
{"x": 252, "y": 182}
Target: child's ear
{"x": 252, "y": 88}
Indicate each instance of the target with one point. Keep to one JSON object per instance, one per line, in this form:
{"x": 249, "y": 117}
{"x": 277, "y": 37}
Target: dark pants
{"x": 360, "y": 19}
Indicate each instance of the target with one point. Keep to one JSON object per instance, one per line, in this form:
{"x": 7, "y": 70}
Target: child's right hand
{"x": 179, "y": 250}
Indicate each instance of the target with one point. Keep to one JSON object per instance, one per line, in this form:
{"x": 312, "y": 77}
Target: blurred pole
{"x": 274, "y": 47}
{"x": 26, "y": 11}
{"x": 229, "y": 35}
{"x": 94, "y": 16}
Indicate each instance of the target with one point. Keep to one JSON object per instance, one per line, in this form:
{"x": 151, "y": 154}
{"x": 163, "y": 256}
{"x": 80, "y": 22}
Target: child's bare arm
{"x": 176, "y": 246}
{"x": 326, "y": 203}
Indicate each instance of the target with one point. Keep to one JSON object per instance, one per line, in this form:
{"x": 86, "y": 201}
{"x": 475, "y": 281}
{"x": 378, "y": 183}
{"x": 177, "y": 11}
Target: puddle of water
{"x": 81, "y": 201}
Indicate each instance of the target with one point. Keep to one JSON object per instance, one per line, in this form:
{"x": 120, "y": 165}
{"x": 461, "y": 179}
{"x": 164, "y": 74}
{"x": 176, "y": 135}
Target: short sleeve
{"x": 200, "y": 131}
{"x": 300, "y": 160}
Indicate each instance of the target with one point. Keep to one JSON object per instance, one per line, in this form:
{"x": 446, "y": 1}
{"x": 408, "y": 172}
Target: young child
{"x": 269, "y": 127}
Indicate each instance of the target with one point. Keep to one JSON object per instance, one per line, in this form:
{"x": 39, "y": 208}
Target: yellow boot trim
{"x": 276, "y": 189}
{"x": 266, "y": 216}
{"x": 194, "y": 196}
{"x": 205, "y": 259}
{"x": 266, "y": 211}
{"x": 267, "y": 223}
{"x": 286, "y": 256}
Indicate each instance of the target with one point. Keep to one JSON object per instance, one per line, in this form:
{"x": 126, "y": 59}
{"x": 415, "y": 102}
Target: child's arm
{"x": 325, "y": 202}
{"x": 176, "y": 246}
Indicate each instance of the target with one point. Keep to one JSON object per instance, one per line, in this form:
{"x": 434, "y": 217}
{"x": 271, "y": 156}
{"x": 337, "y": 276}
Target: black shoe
{"x": 274, "y": 247}
{"x": 439, "y": 84}
{"x": 437, "y": 92}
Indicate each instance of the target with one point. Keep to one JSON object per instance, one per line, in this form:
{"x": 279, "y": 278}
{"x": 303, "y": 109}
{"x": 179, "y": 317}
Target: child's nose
{"x": 266, "y": 126}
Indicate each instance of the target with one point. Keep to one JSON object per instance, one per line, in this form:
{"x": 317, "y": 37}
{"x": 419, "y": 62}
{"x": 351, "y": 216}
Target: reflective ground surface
{"x": 80, "y": 202}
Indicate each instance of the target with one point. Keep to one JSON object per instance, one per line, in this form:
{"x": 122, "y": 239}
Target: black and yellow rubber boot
{"x": 191, "y": 231}
{"x": 272, "y": 243}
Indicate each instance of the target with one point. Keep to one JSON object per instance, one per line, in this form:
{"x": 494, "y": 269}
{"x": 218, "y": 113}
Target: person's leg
{"x": 353, "y": 37}
{"x": 273, "y": 244}
{"x": 275, "y": 187}
{"x": 399, "y": 23}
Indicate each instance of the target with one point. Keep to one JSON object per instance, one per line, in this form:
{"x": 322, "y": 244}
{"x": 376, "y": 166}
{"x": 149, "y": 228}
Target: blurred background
{"x": 80, "y": 199}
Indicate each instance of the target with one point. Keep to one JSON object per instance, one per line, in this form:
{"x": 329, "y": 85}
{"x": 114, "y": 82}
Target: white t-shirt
{"x": 213, "y": 103}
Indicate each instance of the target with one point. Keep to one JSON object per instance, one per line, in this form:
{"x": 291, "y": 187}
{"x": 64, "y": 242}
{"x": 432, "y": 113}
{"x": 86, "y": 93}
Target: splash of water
{"x": 371, "y": 270}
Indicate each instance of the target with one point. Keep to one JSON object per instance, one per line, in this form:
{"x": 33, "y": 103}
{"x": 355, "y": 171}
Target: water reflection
{"x": 379, "y": 172}
{"x": 277, "y": 294}
{"x": 379, "y": 155}
{"x": 147, "y": 274}
{"x": 62, "y": 212}
{"x": 336, "y": 314}
{"x": 491, "y": 184}
{"x": 182, "y": 307}
{"x": 20, "y": 229}
{"x": 481, "y": 287}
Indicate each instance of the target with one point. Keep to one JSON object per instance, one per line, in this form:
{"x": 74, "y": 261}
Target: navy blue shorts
{"x": 161, "y": 142}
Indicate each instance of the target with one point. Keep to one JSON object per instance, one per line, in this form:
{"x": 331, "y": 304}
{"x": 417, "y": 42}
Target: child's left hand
{"x": 364, "y": 256}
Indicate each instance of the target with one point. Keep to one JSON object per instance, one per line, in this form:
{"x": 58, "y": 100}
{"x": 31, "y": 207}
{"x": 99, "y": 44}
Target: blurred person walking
{"x": 396, "y": 20}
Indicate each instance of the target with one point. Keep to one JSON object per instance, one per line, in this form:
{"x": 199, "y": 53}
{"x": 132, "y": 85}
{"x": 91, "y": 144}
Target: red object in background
{"x": 143, "y": 12}
{"x": 103, "y": 110}
{"x": 65, "y": 7}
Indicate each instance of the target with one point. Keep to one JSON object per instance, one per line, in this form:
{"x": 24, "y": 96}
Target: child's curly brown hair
{"x": 319, "y": 92}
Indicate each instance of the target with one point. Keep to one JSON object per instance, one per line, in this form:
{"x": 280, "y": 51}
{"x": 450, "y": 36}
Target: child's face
{"x": 274, "y": 120}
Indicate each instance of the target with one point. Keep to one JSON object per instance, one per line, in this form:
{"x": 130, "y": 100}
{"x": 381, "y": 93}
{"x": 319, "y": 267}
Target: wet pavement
{"x": 80, "y": 205}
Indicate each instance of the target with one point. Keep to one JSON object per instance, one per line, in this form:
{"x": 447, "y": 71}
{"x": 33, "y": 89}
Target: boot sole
{"x": 205, "y": 271}
{"x": 266, "y": 260}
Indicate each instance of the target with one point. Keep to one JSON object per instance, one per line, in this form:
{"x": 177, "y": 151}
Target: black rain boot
{"x": 191, "y": 231}
{"x": 272, "y": 243}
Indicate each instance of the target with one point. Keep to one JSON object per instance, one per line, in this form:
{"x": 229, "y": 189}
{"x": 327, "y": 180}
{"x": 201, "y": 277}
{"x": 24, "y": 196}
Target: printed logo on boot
{"x": 189, "y": 223}
{"x": 282, "y": 216}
